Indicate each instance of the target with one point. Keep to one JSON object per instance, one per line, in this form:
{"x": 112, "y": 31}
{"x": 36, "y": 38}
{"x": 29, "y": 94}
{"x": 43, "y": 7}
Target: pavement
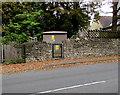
{"x": 27, "y": 67}
{"x": 77, "y": 62}
{"x": 97, "y": 78}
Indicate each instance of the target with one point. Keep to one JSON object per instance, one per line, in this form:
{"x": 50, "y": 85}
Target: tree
{"x": 116, "y": 16}
{"x": 31, "y": 18}
{"x": 10, "y": 9}
{"x": 24, "y": 25}
{"x": 67, "y": 16}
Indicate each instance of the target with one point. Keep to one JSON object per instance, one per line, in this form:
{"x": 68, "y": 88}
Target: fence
{"x": 10, "y": 52}
{"x": 103, "y": 34}
{"x": 99, "y": 34}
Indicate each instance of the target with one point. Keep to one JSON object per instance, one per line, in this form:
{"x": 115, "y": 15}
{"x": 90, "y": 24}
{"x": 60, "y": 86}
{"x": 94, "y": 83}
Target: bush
{"x": 13, "y": 38}
{"x": 16, "y": 61}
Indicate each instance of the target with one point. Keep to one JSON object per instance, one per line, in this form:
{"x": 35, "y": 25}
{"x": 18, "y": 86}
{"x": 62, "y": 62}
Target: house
{"x": 118, "y": 20}
{"x": 110, "y": 27}
{"x": 103, "y": 22}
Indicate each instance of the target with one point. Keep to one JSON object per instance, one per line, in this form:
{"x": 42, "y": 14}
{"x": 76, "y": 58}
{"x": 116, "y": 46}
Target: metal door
{"x": 57, "y": 50}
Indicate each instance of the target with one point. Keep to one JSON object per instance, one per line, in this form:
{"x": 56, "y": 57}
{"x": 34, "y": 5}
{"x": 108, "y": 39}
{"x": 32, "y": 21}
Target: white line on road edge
{"x": 72, "y": 87}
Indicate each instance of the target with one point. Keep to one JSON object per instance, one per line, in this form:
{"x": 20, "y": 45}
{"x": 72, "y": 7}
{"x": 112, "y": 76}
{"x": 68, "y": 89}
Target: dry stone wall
{"x": 90, "y": 47}
{"x": 73, "y": 48}
{"x": 38, "y": 52}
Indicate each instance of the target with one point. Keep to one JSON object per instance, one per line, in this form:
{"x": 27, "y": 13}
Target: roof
{"x": 55, "y": 32}
{"x": 118, "y": 25}
{"x": 110, "y": 26}
{"x": 105, "y": 21}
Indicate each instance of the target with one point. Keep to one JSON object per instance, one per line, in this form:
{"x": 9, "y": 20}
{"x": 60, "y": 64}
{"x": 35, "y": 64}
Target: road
{"x": 98, "y": 78}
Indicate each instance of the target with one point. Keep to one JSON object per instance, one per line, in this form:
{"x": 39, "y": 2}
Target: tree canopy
{"x": 65, "y": 16}
{"x": 32, "y": 18}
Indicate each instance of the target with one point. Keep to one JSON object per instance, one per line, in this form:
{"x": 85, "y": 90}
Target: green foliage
{"x": 12, "y": 27}
{"x": 16, "y": 61}
{"x": 25, "y": 19}
{"x": 22, "y": 26}
{"x": 97, "y": 16}
{"x": 13, "y": 38}
{"x": 10, "y": 9}
{"x": 65, "y": 16}
{"x": 22, "y": 22}
{"x": 21, "y": 17}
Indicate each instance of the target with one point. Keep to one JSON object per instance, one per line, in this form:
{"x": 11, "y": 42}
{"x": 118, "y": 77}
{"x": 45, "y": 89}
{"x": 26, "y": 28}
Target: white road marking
{"x": 72, "y": 87}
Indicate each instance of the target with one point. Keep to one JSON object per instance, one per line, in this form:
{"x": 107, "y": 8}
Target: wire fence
{"x": 99, "y": 34}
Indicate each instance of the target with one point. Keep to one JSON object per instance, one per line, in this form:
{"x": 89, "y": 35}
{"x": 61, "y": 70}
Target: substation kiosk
{"x": 55, "y": 38}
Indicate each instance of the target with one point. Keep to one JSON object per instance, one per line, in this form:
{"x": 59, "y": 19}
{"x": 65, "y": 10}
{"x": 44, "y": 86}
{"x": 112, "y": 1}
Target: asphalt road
{"x": 98, "y": 78}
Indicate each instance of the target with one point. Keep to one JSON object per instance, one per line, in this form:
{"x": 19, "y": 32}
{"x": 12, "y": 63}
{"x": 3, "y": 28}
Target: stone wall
{"x": 38, "y": 52}
{"x": 73, "y": 48}
{"x": 78, "y": 48}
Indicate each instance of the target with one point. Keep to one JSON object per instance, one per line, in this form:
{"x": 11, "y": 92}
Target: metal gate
{"x": 57, "y": 50}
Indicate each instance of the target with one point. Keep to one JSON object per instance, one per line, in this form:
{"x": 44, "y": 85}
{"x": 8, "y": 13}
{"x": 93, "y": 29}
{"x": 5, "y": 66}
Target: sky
{"x": 106, "y": 8}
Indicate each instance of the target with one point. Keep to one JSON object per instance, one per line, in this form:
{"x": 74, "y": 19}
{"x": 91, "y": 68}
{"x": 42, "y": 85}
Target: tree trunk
{"x": 114, "y": 19}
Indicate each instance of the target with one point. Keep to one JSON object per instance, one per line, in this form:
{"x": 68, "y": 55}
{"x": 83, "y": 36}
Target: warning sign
{"x": 57, "y": 47}
{"x": 53, "y": 37}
